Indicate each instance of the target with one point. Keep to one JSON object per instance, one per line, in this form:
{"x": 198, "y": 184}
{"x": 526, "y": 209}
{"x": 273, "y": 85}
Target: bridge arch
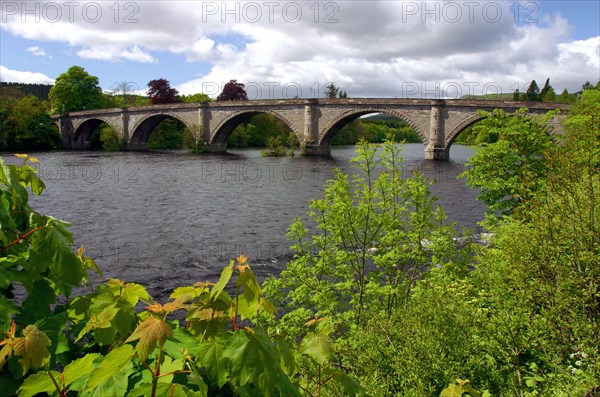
{"x": 221, "y": 133}
{"x": 328, "y": 132}
{"x": 141, "y": 131}
{"x": 82, "y": 136}
{"x": 461, "y": 127}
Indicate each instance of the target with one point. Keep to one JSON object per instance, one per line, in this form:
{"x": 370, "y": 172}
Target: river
{"x": 165, "y": 219}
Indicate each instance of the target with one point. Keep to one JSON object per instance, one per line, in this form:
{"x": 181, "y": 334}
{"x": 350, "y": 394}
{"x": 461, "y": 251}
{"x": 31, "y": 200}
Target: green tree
{"x": 75, "y": 90}
{"x": 33, "y": 128}
{"x": 565, "y": 97}
{"x": 533, "y": 92}
{"x": 511, "y": 170}
{"x": 361, "y": 255}
{"x": 331, "y": 90}
{"x": 194, "y": 98}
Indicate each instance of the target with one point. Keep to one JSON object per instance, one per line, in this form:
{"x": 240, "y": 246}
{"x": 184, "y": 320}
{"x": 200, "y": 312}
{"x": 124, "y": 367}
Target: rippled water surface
{"x": 166, "y": 219}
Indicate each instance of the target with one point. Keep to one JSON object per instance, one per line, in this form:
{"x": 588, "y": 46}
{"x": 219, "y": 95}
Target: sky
{"x": 287, "y": 49}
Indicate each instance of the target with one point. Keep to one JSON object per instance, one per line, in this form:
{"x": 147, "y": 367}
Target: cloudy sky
{"x": 283, "y": 49}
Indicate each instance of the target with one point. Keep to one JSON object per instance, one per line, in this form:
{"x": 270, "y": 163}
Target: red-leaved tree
{"x": 160, "y": 91}
{"x": 233, "y": 91}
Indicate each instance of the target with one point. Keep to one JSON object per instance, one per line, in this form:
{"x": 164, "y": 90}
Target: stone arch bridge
{"x": 314, "y": 121}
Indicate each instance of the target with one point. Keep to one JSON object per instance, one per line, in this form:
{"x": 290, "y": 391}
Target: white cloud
{"x": 369, "y": 48}
{"x": 114, "y": 53}
{"x": 16, "y": 76}
{"x": 36, "y": 51}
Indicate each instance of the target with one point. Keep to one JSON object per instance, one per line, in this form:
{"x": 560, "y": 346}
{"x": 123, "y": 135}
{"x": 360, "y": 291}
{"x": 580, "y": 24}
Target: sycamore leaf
{"x": 115, "y": 385}
{"x": 318, "y": 346}
{"x": 37, "y": 383}
{"x": 223, "y": 280}
{"x": 7, "y": 309}
{"x": 210, "y": 354}
{"x": 79, "y": 369}
{"x": 102, "y": 321}
{"x": 248, "y": 282}
{"x": 33, "y": 347}
{"x": 163, "y": 390}
{"x": 252, "y": 356}
{"x": 112, "y": 363}
{"x": 130, "y": 292}
{"x": 149, "y": 332}
{"x": 458, "y": 389}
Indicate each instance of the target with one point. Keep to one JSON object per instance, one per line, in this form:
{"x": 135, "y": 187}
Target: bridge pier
{"x": 434, "y": 153}
{"x": 436, "y": 148}
{"x": 316, "y": 150}
{"x": 216, "y": 147}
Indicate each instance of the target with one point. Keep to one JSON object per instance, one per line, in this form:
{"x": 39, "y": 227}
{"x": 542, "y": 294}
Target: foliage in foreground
{"x": 100, "y": 344}
{"x": 519, "y": 317}
{"x": 379, "y": 293}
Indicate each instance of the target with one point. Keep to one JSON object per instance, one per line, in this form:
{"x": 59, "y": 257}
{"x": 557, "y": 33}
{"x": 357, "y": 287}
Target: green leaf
{"x": 249, "y": 284}
{"x": 179, "y": 340}
{"x": 112, "y": 363}
{"x": 115, "y": 385}
{"x": 169, "y": 365}
{"x": 210, "y": 355}
{"x": 196, "y": 379}
{"x": 7, "y": 309}
{"x": 79, "y": 370}
{"x": 252, "y": 356}
{"x": 51, "y": 247}
{"x": 286, "y": 387}
{"x": 457, "y": 390}
{"x": 288, "y": 363}
{"x": 151, "y": 331}
{"x": 162, "y": 390}
{"x": 223, "y": 280}
{"x": 318, "y": 346}
{"x": 39, "y": 383}
{"x": 37, "y": 304}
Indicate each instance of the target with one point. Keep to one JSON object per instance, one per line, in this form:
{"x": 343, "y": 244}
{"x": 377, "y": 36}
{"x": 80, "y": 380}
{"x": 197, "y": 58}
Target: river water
{"x": 165, "y": 219}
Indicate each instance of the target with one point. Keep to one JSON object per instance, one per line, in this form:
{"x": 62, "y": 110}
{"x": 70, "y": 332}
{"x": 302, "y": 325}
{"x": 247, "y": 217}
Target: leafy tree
{"x": 168, "y": 134}
{"x": 257, "y": 131}
{"x": 201, "y": 97}
{"x": 533, "y": 92}
{"x": 511, "y": 170}
{"x": 331, "y": 90}
{"x": 75, "y": 90}
{"x": 124, "y": 94}
{"x": 28, "y": 126}
{"x": 343, "y": 94}
{"x": 362, "y": 256}
{"x": 233, "y": 91}
{"x": 517, "y": 96}
{"x": 565, "y": 97}
{"x": 160, "y": 91}
{"x": 39, "y": 90}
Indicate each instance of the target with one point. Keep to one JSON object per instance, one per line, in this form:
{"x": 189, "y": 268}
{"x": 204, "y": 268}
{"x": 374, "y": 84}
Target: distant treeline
{"x": 40, "y": 91}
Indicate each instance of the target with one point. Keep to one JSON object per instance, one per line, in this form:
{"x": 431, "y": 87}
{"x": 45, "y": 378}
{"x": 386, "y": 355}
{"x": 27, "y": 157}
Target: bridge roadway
{"x": 314, "y": 121}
